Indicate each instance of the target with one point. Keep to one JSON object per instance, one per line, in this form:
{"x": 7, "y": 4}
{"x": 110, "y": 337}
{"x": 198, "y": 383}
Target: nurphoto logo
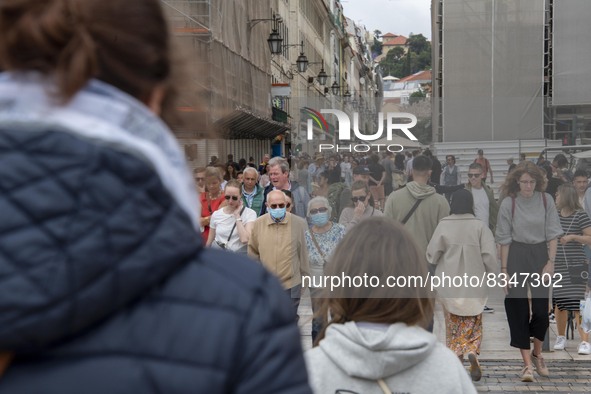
{"x": 344, "y": 130}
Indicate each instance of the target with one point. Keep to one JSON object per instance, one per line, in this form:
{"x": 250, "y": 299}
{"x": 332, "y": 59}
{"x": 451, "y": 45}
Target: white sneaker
{"x": 560, "y": 343}
{"x": 584, "y": 348}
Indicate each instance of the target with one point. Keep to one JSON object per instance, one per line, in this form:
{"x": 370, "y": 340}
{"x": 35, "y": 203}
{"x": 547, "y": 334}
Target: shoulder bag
{"x": 225, "y": 245}
{"x": 412, "y": 210}
{"x": 577, "y": 271}
{"x": 317, "y": 246}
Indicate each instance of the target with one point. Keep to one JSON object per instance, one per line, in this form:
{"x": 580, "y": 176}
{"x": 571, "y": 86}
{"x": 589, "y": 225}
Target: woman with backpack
{"x": 527, "y": 230}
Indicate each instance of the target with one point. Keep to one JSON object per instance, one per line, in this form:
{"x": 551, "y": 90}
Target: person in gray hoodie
{"x": 431, "y": 207}
{"x": 376, "y": 341}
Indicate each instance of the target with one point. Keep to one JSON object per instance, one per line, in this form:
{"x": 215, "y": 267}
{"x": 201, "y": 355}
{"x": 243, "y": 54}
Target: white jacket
{"x": 463, "y": 246}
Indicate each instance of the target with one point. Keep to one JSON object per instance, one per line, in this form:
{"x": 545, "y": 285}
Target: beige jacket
{"x": 281, "y": 247}
{"x": 463, "y": 246}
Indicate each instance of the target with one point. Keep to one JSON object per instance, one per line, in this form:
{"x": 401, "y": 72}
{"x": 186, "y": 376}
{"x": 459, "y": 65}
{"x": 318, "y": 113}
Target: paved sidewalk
{"x": 501, "y": 364}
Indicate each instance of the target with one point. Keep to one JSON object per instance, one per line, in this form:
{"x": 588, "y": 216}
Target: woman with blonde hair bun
{"x": 106, "y": 284}
{"x": 376, "y": 341}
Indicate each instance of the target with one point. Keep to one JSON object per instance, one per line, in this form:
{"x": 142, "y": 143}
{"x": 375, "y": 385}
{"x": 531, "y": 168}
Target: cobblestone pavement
{"x": 502, "y": 364}
{"x": 565, "y": 377}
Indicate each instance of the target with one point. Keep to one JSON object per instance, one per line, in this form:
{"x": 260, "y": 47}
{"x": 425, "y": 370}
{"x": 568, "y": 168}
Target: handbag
{"x": 577, "y": 271}
{"x": 586, "y": 313}
{"x": 318, "y": 246}
{"x": 224, "y": 245}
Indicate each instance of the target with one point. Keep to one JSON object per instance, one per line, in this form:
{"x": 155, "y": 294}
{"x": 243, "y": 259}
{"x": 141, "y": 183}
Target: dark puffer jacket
{"x": 106, "y": 288}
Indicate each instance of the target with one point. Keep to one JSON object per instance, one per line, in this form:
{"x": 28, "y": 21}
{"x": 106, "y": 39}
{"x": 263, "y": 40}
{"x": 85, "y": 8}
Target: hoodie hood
{"x": 375, "y": 353}
{"x": 420, "y": 191}
{"x": 89, "y": 223}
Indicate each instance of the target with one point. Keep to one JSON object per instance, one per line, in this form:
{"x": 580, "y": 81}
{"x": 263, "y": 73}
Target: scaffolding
{"x": 228, "y": 74}
{"x": 189, "y": 17}
{"x": 488, "y": 65}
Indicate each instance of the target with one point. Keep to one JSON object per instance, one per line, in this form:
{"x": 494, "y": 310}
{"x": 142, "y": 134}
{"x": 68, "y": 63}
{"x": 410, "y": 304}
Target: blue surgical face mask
{"x": 277, "y": 213}
{"x": 319, "y": 219}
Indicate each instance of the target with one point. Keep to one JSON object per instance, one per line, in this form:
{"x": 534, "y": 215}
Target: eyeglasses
{"x": 275, "y": 206}
{"x": 288, "y": 205}
{"x": 234, "y": 198}
{"x": 473, "y": 175}
{"x": 318, "y": 210}
{"x": 360, "y": 198}
{"x": 527, "y": 182}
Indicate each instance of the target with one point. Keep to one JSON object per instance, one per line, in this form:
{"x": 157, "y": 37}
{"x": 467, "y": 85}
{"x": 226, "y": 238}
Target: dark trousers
{"x": 318, "y": 322}
{"x": 527, "y": 258}
{"x": 295, "y": 293}
{"x": 387, "y": 189}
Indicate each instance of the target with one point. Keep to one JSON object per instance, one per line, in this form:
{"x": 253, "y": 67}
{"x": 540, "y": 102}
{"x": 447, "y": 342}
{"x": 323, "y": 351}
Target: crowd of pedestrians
{"x": 121, "y": 275}
{"x": 462, "y": 228}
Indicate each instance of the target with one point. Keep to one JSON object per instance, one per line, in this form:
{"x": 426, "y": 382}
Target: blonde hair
{"x": 213, "y": 171}
{"x": 569, "y": 198}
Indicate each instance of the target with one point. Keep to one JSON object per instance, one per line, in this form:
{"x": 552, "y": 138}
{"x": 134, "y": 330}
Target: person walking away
{"x": 106, "y": 284}
{"x": 376, "y": 341}
{"x": 435, "y": 167}
{"x": 419, "y": 201}
{"x": 527, "y": 230}
{"x": 463, "y": 244}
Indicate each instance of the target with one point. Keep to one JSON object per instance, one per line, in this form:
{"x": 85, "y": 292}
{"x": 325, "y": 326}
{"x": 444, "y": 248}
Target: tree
{"x": 418, "y": 58}
{"x": 417, "y": 97}
{"x": 418, "y": 43}
{"x": 376, "y": 47}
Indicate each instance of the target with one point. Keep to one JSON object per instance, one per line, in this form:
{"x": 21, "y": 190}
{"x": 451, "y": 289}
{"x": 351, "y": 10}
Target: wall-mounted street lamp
{"x": 322, "y": 75}
{"x": 275, "y": 42}
{"x": 336, "y": 89}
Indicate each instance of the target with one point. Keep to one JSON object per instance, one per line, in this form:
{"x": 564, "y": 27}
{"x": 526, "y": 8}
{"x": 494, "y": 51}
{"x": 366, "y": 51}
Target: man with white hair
{"x": 277, "y": 240}
{"x": 252, "y": 193}
{"x": 278, "y": 171}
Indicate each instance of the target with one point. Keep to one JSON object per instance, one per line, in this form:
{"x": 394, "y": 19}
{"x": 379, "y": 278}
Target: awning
{"x": 242, "y": 123}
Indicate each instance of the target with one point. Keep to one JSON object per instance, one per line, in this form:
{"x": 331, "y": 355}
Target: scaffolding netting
{"x": 493, "y": 67}
{"x": 572, "y": 57}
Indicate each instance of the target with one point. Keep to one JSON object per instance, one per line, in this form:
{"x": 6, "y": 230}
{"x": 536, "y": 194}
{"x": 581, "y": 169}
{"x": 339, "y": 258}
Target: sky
{"x": 394, "y": 16}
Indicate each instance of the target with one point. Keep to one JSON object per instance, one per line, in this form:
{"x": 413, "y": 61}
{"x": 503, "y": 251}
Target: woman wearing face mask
{"x": 321, "y": 239}
{"x": 361, "y": 209}
{"x": 230, "y": 226}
